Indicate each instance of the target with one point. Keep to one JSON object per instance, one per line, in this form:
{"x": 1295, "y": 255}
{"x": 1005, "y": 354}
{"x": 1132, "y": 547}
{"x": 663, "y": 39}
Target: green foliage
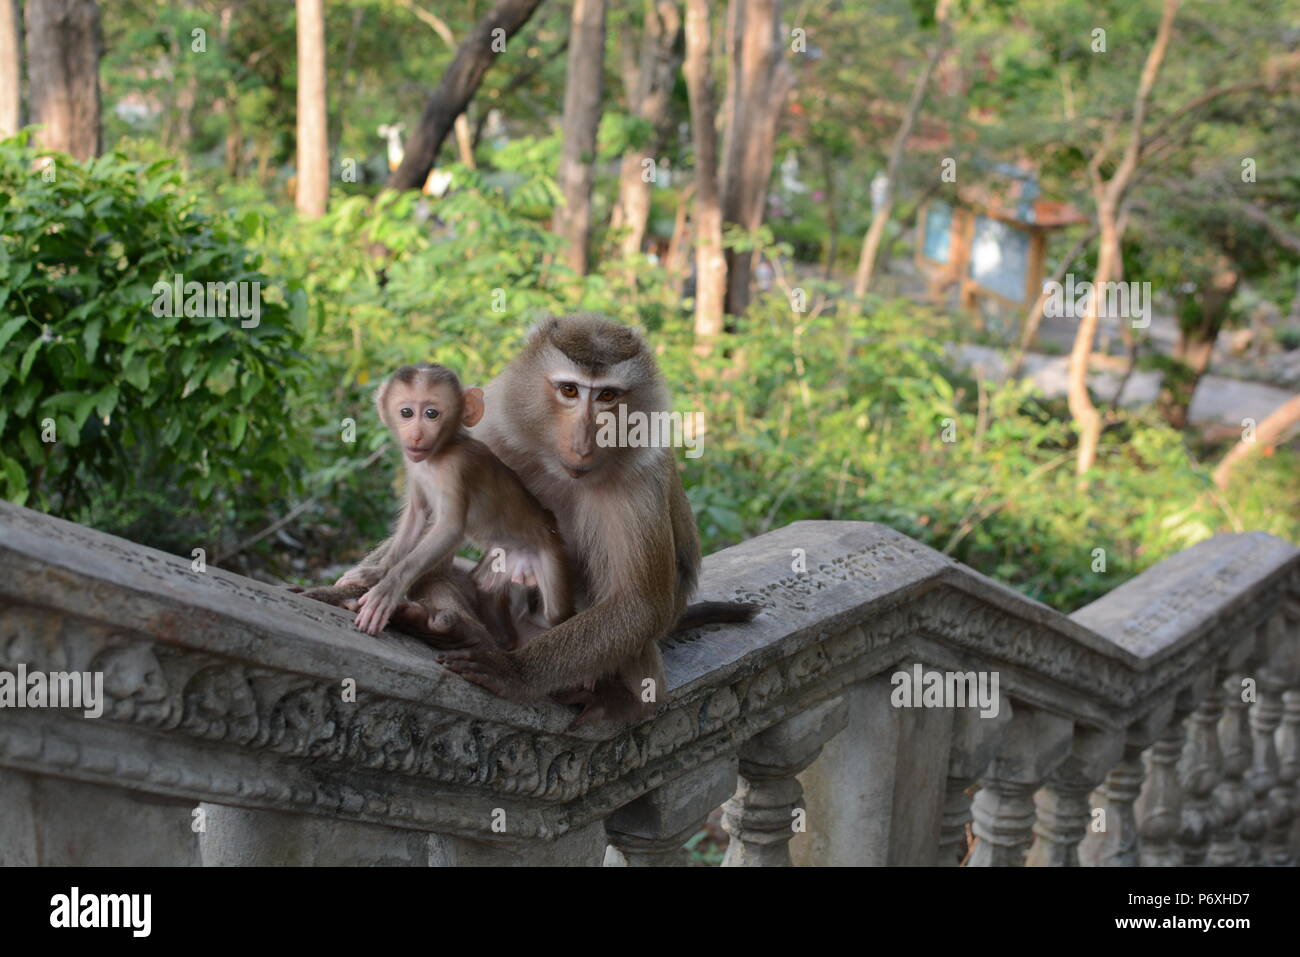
{"x": 108, "y": 403}
{"x": 837, "y": 412}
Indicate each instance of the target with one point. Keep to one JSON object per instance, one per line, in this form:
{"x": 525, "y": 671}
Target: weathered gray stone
{"x": 1033, "y": 746}
{"x": 240, "y": 836}
{"x": 651, "y": 830}
{"x": 1117, "y": 844}
{"x": 767, "y": 808}
{"x": 582, "y": 847}
{"x": 49, "y": 821}
{"x": 875, "y": 795}
{"x": 226, "y": 691}
{"x": 1063, "y": 808}
{"x": 974, "y": 742}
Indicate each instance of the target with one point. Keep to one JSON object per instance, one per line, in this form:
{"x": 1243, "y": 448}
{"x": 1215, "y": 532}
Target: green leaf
{"x": 28, "y": 358}
{"x": 137, "y": 372}
{"x": 9, "y": 328}
{"x": 90, "y": 336}
{"x": 106, "y": 401}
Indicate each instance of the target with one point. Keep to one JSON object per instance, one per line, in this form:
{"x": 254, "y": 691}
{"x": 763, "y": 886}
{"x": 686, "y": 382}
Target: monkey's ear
{"x": 473, "y": 400}
{"x": 380, "y": 395}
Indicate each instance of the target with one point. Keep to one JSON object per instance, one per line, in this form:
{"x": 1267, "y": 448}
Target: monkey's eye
{"x": 430, "y": 414}
{"x": 607, "y": 395}
{"x": 568, "y": 390}
{"x": 406, "y": 412}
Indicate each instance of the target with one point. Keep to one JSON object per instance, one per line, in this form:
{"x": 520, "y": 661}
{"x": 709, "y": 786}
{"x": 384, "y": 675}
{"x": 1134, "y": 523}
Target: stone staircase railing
{"x": 242, "y": 724}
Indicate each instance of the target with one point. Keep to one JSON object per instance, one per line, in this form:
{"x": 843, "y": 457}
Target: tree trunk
{"x": 63, "y": 48}
{"x": 1268, "y": 433}
{"x": 480, "y": 49}
{"x": 1084, "y": 413}
{"x": 11, "y": 72}
{"x": 880, "y": 221}
{"x": 464, "y": 138}
{"x": 583, "y": 89}
{"x": 649, "y": 87}
{"x": 760, "y": 80}
{"x": 832, "y": 217}
{"x": 1196, "y": 346}
{"x": 710, "y": 264}
{"x": 1109, "y": 197}
{"x": 1034, "y": 318}
{"x": 677, "y": 259}
{"x": 313, "y": 114}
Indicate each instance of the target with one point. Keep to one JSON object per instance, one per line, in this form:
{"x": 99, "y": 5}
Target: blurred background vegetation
{"x": 260, "y": 445}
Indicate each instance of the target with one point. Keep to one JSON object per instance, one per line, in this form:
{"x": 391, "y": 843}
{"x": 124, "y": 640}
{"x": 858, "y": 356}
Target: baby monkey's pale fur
{"x": 457, "y": 490}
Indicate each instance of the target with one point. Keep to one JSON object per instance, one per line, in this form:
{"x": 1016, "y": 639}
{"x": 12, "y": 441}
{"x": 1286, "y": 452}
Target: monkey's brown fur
{"x": 442, "y": 610}
{"x": 457, "y": 489}
{"x": 622, "y": 513}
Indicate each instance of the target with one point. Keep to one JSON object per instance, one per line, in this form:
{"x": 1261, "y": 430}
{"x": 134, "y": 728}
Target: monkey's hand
{"x": 364, "y": 575}
{"x": 377, "y": 605}
{"x": 592, "y": 704}
{"x": 487, "y": 667}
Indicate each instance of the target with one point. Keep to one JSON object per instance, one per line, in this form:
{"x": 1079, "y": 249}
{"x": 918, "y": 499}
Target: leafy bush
{"x": 838, "y": 412}
{"x": 108, "y": 409}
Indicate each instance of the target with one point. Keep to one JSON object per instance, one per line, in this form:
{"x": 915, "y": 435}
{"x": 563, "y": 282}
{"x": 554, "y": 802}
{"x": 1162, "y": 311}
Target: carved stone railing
{"x": 242, "y": 724}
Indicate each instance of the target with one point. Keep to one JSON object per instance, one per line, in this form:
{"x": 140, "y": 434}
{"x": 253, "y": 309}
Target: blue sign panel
{"x": 937, "y": 242}
{"x": 999, "y": 258}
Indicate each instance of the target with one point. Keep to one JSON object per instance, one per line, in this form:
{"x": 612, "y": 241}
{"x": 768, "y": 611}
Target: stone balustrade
{"x": 242, "y": 724}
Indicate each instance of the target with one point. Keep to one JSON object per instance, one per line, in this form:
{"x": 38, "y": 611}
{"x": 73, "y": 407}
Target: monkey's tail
{"x": 715, "y": 613}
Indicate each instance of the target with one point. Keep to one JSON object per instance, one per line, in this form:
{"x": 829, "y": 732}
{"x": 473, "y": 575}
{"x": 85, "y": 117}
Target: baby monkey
{"x": 457, "y": 489}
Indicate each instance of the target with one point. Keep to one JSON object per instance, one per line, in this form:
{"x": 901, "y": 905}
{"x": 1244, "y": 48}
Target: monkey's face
{"x": 576, "y": 400}
{"x": 423, "y": 417}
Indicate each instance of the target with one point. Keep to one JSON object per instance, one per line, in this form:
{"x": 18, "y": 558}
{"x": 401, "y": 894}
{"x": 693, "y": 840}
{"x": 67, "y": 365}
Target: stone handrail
{"x": 244, "y": 724}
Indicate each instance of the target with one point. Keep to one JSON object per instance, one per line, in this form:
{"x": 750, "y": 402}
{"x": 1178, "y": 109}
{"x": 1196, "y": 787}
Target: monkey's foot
{"x": 441, "y": 628}
{"x": 603, "y": 699}
{"x": 593, "y": 708}
{"x": 484, "y": 666}
{"x": 336, "y": 595}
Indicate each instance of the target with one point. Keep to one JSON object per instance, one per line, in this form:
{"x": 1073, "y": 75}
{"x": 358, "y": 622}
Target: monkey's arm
{"x": 437, "y": 545}
{"x": 619, "y": 630}
{"x": 598, "y": 641}
{"x": 374, "y": 566}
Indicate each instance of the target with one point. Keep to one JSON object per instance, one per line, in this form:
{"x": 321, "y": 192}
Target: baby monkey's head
{"x": 425, "y": 407}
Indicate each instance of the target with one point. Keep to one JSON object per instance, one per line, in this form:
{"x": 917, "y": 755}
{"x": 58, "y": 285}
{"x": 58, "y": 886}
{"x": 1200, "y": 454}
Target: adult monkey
{"x": 622, "y": 513}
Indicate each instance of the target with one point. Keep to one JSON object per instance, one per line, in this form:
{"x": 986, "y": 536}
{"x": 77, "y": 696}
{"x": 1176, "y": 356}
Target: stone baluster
{"x": 1064, "y": 806}
{"x": 1033, "y": 746}
{"x": 1113, "y": 841}
{"x": 1264, "y": 718}
{"x": 974, "y": 742}
{"x": 1231, "y": 797}
{"x": 1201, "y": 771}
{"x": 1288, "y": 749}
{"x": 1116, "y": 845}
{"x": 766, "y": 809}
{"x": 1270, "y": 797}
{"x": 1159, "y": 807}
{"x": 651, "y": 830}
{"x": 1271, "y": 766}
